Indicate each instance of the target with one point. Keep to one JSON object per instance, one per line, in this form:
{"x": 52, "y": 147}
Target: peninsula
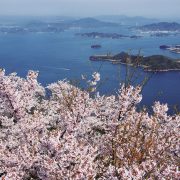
{"x": 154, "y": 63}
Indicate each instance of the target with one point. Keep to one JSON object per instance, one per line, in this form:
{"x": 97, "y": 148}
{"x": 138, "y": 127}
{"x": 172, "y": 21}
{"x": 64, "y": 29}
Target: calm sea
{"x": 64, "y": 55}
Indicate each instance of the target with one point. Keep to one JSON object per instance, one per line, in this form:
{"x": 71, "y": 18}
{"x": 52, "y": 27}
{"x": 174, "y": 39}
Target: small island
{"x": 96, "y": 46}
{"x": 154, "y": 63}
{"x": 174, "y": 49}
{"x": 107, "y": 35}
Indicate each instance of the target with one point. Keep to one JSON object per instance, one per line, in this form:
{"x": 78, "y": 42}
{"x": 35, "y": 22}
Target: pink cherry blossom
{"x": 71, "y": 135}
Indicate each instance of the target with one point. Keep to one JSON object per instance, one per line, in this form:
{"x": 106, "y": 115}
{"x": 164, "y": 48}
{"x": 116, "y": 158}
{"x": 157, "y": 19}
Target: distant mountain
{"x": 55, "y": 25}
{"x": 162, "y": 26}
{"x": 74, "y": 23}
{"x": 91, "y": 22}
{"x": 125, "y": 20}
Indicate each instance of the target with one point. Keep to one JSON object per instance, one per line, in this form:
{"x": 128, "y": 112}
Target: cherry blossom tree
{"x": 72, "y": 135}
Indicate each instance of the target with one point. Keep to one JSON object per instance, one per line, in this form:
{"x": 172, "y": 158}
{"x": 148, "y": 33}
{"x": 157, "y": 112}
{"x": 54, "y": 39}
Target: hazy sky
{"x": 149, "y": 8}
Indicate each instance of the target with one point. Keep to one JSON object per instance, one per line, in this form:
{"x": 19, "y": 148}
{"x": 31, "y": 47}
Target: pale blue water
{"x": 64, "y": 55}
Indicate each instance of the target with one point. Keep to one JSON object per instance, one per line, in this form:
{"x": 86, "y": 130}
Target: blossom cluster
{"x": 71, "y": 135}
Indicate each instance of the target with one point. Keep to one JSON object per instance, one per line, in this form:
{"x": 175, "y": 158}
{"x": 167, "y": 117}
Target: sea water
{"x": 64, "y": 55}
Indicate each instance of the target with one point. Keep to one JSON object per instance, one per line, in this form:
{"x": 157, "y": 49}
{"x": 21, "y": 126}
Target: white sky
{"x": 149, "y": 8}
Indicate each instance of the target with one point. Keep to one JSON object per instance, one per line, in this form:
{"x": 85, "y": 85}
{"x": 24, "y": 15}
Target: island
{"x": 174, "y": 49}
{"x": 154, "y": 63}
{"x": 107, "y": 35}
{"x": 161, "y": 29}
{"x": 96, "y": 46}
{"x": 161, "y": 26}
{"x": 162, "y": 34}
